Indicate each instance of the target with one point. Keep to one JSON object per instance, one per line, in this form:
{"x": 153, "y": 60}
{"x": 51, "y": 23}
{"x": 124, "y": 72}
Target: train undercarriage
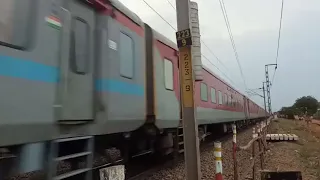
{"x": 82, "y": 157}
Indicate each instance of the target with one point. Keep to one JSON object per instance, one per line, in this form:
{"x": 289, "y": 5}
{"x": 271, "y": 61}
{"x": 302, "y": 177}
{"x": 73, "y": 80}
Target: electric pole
{"x": 190, "y": 126}
{"x": 268, "y": 85}
{"x": 264, "y": 99}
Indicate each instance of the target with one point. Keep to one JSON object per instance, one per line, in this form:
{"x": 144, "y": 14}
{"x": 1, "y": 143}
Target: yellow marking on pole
{"x": 217, "y": 149}
{"x": 218, "y": 159}
{"x": 186, "y": 74}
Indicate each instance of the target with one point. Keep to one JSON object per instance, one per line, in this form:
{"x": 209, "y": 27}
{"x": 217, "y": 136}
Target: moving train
{"x": 80, "y": 77}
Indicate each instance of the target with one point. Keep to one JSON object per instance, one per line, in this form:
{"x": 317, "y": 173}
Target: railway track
{"x": 170, "y": 161}
{"x": 153, "y": 168}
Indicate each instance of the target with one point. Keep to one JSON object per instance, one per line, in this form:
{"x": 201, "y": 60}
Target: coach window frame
{"x": 29, "y": 29}
{"x": 225, "y": 99}
{"x": 220, "y": 98}
{"x": 213, "y": 100}
{"x": 131, "y": 76}
{"x": 233, "y": 100}
{"x": 164, "y": 72}
{"x": 201, "y": 92}
{"x": 74, "y": 57}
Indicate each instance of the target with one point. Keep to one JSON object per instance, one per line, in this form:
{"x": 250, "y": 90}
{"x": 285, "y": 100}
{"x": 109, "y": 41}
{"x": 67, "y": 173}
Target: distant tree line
{"x": 306, "y": 105}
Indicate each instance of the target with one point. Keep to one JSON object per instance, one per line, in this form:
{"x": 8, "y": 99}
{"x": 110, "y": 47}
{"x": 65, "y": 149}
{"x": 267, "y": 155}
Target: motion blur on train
{"x": 81, "y": 78}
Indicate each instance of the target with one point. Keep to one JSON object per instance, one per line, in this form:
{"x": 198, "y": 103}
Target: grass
{"x": 308, "y": 146}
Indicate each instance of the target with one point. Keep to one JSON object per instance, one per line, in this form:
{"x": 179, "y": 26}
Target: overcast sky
{"x": 254, "y": 24}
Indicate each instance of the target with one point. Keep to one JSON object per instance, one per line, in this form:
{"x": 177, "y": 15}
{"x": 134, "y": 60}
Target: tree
{"x": 288, "y": 111}
{"x": 306, "y": 105}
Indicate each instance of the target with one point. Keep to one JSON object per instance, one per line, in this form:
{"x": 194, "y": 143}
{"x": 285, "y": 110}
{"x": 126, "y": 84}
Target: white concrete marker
{"x": 282, "y": 137}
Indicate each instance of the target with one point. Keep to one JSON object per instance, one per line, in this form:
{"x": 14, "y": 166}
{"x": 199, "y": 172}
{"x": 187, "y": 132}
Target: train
{"x": 80, "y": 77}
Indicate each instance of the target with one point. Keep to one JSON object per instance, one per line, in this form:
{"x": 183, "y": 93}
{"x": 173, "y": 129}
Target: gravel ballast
{"x": 208, "y": 163}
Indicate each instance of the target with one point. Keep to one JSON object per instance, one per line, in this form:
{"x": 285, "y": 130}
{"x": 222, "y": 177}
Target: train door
{"x": 77, "y": 61}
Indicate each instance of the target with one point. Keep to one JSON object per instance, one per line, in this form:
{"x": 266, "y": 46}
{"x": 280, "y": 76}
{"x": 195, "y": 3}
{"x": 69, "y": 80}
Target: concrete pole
{"x": 190, "y": 126}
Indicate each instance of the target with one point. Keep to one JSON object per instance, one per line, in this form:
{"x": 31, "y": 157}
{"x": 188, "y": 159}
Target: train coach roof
{"x": 122, "y": 8}
{"x": 164, "y": 40}
{"x": 220, "y": 78}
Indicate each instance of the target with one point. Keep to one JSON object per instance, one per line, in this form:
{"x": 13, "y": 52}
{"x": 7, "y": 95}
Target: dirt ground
{"x": 303, "y": 155}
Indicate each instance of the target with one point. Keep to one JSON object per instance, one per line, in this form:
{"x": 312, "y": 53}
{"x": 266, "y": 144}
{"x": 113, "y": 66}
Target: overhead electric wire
{"x": 274, "y": 73}
{"x": 213, "y": 54}
{"x": 218, "y": 69}
{"x": 279, "y": 37}
{"x": 226, "y": 19}
{"x": 171, "y": 4}
{"x": 204, "y": 43}
{"x": 159, "y": 15}
{"x": 201, "y": 41}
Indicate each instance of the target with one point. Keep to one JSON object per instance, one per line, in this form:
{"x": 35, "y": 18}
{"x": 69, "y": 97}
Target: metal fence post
{"x": 218, "y": 160}
{"x": 254, "y": 135}
{"x": 260, "y": 144}
{"x": 234, "y": 142}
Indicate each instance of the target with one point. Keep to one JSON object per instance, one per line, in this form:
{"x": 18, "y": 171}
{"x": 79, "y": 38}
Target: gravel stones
{"x": 208, "y": 163}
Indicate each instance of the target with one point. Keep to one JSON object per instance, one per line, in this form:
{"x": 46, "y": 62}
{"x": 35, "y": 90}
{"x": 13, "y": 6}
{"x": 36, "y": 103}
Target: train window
{"x": 230, "y": 101}
{"x": 79, "y": 46}
{"x": 220, "y": 97}
{"x": 168, "y": 74}
{"x": 204, "y": 92}
{"x": 16, "y": 22}
{"x": 225, "y": 99}
{"x": 126, "y": 55}
{"x": 213, "y": 95}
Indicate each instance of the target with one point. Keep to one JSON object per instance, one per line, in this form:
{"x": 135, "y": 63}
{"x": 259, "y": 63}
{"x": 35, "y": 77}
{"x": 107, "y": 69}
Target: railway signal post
{"x": 190, "y": 127}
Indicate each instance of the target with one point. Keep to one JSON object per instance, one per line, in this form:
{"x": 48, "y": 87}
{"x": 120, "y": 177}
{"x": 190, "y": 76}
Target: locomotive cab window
{"x": 204, "y": 92}
{"x": 126, "y": 55}
{"x": 17, "y": 22}
{"x": 79, "y": 46}
{"x": 213, "y": 95}
{"x": 220, "y": 97}
{"x": 168, "y": 74}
